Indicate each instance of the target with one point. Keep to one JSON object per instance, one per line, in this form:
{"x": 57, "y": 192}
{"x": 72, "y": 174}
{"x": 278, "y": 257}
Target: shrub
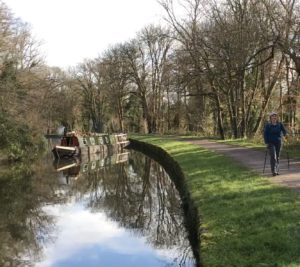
{"x": 18, "y": 140}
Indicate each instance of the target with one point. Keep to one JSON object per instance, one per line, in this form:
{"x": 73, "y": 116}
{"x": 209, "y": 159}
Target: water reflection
{"x": 121, "y": 210}
{"x": 24, "y": 226}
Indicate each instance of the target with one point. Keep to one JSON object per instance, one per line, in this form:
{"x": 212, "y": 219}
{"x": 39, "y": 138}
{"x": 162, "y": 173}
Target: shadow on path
{"x": 254, "y": 160}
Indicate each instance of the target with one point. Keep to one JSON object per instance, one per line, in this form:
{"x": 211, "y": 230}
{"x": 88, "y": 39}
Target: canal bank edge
{"x": 191, "y": 217}
{"x": 245, "y": 219}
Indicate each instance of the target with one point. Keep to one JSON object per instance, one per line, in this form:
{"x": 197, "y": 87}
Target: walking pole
{"x": 287, "y": 153}
{"x": 265, "y": 160}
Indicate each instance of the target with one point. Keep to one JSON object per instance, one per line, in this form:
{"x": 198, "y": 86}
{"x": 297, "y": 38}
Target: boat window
{"x": 92, "y": 139}
{"x": 106, "y": 139}
{"x": 102, "y": 162}
{"x": 85, "y": 167}
{"x": 93, "y": 165}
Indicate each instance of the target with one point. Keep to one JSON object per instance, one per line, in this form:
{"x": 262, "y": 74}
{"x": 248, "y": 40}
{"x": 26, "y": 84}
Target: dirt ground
{"x": 253, "y": 159}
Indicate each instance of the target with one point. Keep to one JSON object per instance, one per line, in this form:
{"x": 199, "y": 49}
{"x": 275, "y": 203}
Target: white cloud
{"x": 78, "y": 229}
{"x": 76, "y": 29}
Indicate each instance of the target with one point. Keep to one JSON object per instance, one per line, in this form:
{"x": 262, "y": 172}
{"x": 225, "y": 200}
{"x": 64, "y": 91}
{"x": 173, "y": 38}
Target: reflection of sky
{"x": 90, "y": 239}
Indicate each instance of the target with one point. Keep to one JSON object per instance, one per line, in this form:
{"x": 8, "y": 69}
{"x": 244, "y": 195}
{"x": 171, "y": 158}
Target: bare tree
{"x": 116, "y": 77}
{"x": 147, "y": 57}
{"x": 90, "y": 79}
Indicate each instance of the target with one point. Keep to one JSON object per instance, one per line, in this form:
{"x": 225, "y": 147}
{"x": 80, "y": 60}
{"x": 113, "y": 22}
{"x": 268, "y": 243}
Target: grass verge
{"x": 290, "y": 146}
{"x": 244, "y": 219}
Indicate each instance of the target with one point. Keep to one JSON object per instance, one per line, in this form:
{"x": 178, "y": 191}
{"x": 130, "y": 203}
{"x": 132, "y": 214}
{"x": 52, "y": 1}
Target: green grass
{"x": 292, "y": 145}
{"x": 251, "y": 143}
{"x": 244, "y": 219}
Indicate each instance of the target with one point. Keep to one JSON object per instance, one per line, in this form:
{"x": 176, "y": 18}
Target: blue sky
{"x": 84, "y": 238}
{"x": 98, "y": 256}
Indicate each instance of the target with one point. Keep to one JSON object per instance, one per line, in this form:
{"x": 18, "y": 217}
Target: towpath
{"x": 254, "y": 160}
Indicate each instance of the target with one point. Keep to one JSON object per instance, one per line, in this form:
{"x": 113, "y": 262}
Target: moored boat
{"x": 73, "y": 144}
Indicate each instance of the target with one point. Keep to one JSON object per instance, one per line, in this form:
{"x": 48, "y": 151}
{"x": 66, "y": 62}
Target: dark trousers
{"x": 274, "y": 151}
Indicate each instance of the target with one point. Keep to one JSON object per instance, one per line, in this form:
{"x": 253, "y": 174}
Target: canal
{"x": 122, "y": 210}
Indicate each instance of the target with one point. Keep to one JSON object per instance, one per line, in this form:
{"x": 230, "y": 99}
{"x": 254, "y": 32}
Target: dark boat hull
{"x": 65, "y": 152}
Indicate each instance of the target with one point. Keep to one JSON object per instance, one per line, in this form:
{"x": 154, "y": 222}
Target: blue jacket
{"x": 274, "y": 132}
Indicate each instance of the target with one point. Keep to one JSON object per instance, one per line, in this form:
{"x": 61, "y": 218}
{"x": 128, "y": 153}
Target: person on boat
{"x": 273, "y": 133}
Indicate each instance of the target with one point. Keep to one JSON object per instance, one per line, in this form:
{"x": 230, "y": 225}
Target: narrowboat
{"x": 73, "y": 144}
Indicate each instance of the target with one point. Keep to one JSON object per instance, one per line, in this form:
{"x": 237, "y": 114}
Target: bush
{"x": 18, "y": 140}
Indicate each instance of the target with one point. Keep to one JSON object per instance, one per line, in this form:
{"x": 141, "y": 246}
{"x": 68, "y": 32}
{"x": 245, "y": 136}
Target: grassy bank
{"x": 245, "y": 220}
{"x": 291, "y": 145}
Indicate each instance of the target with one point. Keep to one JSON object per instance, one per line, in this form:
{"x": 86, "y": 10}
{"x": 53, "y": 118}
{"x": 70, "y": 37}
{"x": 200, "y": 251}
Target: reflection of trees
{"x": 191, "y": 219}
{"x": 23, "y": 224}
{"x": 141, "y": 197}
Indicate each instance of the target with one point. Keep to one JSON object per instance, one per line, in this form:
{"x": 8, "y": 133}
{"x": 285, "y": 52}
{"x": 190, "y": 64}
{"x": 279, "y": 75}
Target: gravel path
{"x": 254, "y": 160}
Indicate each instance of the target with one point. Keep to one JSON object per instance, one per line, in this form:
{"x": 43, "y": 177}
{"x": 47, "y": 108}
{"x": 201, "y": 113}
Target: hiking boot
{"x": 274, "y": 173}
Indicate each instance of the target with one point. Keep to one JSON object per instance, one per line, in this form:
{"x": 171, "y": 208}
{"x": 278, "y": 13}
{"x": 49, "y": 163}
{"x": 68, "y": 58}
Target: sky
{"x": 84, "y": 238}
{"x": 74, "y": 30}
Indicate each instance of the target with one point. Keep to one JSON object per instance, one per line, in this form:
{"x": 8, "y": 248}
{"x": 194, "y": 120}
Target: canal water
{"x": 123, "y": 210}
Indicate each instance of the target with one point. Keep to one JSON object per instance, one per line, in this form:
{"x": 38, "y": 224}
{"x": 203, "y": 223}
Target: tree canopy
{"x": 216, "y": 70}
